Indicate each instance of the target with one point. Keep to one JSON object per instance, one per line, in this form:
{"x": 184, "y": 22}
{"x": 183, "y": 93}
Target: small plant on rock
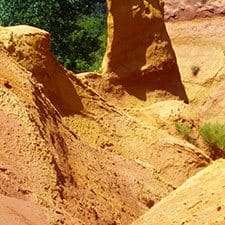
{"x": 195, "y": 70}
{"x": 185, "y": 131}
{"x": 214, "y": 134}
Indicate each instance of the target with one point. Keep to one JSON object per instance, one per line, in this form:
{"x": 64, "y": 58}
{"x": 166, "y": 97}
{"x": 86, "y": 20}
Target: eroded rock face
{"x": 199, "y": 43}
{"x": 189, "y": 9}
{"x": 139, "y": 47}
{"x": 198, "y": 201}
{"x": 31, "y": 48}
{"x": 214, "y": 107}
{"x": 123, "y": 168}
{"x": 15, "y": 211}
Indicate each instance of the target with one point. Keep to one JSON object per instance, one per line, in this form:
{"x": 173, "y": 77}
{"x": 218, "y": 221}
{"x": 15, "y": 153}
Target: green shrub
{"x": 214, "y": 134}
{"x": 195, "y": 69}
{"x": 185, "y": 131}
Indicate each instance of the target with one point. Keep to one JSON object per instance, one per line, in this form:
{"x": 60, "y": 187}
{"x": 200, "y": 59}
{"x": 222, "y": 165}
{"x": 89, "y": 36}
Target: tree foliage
{"x": 77, "y": 27}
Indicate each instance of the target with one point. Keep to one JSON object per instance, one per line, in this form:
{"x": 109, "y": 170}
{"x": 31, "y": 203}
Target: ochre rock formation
{"x": 63, "y": 146}
{"x": 201, "y": 43}
{"x": 139, "y": 49}
{"x": 67, "y": 147}
{"x": 31, "y": 48}
{"x": 200, "y": 200}
{"x": 190, "y": 9}
{"x": 214, "y": 107}
{"x": 16, "y": 212}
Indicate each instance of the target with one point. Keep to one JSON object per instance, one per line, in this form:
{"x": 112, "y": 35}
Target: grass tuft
{"x": 214, "y": 134}
{"x": 185, "y": 131}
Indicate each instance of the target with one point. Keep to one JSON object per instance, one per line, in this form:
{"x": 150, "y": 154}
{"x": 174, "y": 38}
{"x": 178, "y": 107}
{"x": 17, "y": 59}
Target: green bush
{"x": 214, "y": 134}
{"x": 185, "y": 131}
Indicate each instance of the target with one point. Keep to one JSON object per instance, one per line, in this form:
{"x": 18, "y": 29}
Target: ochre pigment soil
{"x": 102, "y": 148}
{"x": 198, "y": 201}
{"x": 191, "y": 9}
{"x": 200, "y": 43}
{"x": 89, "y": 164}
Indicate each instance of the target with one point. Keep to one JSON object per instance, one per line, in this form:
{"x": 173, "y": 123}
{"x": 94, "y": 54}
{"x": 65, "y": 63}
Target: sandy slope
{"x": 200, "y": 43}
{"x": 198, "y": 201}
{"x": 81, "y": 158}
{"x": 18, "y": 212}
{"x": 91, "y": 151}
